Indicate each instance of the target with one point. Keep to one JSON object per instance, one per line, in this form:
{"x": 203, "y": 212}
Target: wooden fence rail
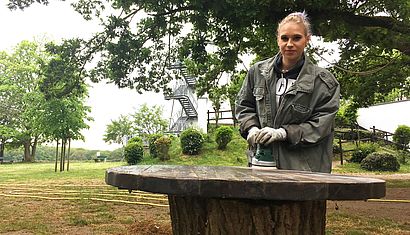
{"x": 222, "y": 115}
{"x": 375, "y": 136}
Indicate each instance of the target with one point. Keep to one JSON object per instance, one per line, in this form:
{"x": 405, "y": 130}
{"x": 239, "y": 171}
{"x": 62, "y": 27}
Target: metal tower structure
{"x": 183, "y": 92}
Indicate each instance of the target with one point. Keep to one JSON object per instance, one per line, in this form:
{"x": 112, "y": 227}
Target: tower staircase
{"x": 184, "y": 92}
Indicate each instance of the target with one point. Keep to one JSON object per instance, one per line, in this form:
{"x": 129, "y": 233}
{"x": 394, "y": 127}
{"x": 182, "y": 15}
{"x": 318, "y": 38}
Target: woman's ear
{"x": 308, "y": 37}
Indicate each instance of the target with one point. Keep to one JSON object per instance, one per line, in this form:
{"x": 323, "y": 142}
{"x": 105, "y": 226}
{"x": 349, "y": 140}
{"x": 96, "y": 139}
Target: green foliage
{"x": 148, "y": 120}
{"x": 402, "y": 135}
{"x": 135, "y": 139}
{"x": 347, "y": 114}
{"x": 336, "y": 149}
{"x": 223, "y": 135}
{"x": 163, "y": 144}
{"x": 153, "y": 150}
{"x": 217, "y": 95}
{"x": 210, "y": 155}
{"x": 362, "y": 152}
{"x": 118, "y": 130}
{"x": 233, "y": 90}
{"x": 191, "y": 141}
{"x": 135, "y": 52}
{"x": 133, "y": 153}
{"x": 62, "y": 74}
{"x": 403, "y": 156}
{"x": 45, "y": 95}
{"x": 379, "y": 161}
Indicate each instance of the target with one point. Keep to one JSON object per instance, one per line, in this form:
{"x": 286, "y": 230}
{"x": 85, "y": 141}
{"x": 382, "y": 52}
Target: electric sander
{"x": 263, "y": 156}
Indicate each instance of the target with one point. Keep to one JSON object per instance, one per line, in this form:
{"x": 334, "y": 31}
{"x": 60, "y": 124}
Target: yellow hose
{"x": 68, "y": 191}
{"x": 77, "y": 198}
{"x": 388, "y": 200}
{"x": 18, "y": 192}
{"x": 150, "y": 196}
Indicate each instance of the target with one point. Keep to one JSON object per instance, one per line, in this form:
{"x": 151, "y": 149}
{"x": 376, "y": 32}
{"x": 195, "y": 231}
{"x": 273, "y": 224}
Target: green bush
{"x": 379, "y": 161}
{"x": 336, "y": 149}
{"x": 163, "y": 144}
{"x": 362, "y": 152}
{"x": 402, "y": 135}
{"x": 135, "y": 139}
{"x": 153, "y": 152}
{"x": 223, "y": 135}
{"x": 133, "y": 153}
{"x": 403, "y": 156}
{"x": 191, "y": 141}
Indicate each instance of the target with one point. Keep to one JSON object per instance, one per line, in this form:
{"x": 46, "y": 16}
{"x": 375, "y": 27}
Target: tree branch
{"x": 363, "y": 21}
{"x": 171, "y": 12}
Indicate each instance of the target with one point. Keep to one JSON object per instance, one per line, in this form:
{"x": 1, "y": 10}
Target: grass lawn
{"x": 36, "y": 200}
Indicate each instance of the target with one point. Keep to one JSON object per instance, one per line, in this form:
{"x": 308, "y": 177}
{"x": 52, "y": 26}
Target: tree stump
{"x": 208, "y": 216}
{"x": 209, "y": 200}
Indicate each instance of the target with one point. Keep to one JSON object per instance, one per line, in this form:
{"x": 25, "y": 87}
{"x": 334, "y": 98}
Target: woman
{"x": 287, "y": 105}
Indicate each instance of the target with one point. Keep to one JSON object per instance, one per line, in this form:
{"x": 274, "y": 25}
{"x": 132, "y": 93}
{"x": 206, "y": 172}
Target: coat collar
{"x": 305, "y": 80}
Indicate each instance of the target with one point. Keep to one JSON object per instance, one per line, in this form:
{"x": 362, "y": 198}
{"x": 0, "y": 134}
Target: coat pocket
{"x": 300, "y": 113}
{"x": 259, "y": 94}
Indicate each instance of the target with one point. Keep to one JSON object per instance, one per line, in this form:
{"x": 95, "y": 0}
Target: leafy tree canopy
{"x": 42, "y": 95}
{"x": 118, "y": 130}
{"x": 141, "y": 39}
{"x": 148, "y": 120}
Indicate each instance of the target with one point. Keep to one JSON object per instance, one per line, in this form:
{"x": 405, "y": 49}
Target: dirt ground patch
{"x": 398, "y": 212}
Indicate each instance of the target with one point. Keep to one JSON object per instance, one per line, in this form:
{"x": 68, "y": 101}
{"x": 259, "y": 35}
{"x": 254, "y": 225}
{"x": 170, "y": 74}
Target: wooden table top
{"x": 244, "y": 182}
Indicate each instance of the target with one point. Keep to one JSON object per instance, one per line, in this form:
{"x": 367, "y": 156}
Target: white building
{"x": 386, "y": 117}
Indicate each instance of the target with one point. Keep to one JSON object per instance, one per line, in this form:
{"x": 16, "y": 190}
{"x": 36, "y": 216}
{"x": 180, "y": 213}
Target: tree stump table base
{"x": 197, "y": 215}
{"x": 209, "y": 200}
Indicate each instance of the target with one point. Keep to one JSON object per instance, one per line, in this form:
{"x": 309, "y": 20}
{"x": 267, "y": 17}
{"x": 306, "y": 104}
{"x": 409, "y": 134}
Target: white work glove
{"x": 252, "y": 134}
{"x": 267, "y": 135}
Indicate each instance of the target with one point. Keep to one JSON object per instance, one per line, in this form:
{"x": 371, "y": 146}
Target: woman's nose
{"x": 289, "y": 43}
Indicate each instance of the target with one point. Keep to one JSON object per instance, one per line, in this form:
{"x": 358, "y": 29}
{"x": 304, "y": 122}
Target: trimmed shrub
{"x": 153, "y": 152}
{"x": 191, "y": 141}
{"x": 402, "y": 135}
{"x": 133, "y": 153}
{"x": 223, "y": 135}
{"x": 162, "y": 145}
{"x": 362, "y": 152}
{"x": 379, "y": 161}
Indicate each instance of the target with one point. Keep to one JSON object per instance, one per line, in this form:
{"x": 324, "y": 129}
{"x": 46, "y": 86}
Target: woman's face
{"x": 292, "y": 41}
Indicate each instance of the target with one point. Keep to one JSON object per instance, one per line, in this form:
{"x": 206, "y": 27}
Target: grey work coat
{"x": 306, "y": 111}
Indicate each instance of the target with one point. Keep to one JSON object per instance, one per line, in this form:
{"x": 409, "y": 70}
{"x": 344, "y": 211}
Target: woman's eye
{"x": 284, "y": 38}
{"x": 297, "y": 38}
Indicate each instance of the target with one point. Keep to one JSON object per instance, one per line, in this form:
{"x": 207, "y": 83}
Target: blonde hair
{"x": 297, "y": 17}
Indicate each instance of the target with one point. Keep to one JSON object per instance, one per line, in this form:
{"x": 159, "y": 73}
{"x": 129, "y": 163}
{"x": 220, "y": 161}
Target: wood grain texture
{"x": 244, "y": 183}
{"x": 207, "y": 216}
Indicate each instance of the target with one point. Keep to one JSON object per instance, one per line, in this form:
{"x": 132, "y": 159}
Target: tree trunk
{"x": 61, "y": 154}
{"x": 233, "y": 114}
{"x": 1, "y": 151}
{"x": 194, "y": 215}
{"x": 27, "y": 152}
{"x": 55, "y": 168}
{"x": 34, "y": 149}
{"x": 64, "y": 153}
{"x": 216, "y": 109}
{"x": 68, "y": 154}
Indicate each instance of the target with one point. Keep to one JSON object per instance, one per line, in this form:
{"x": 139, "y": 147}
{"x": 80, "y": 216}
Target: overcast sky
{"x": 56, "y": 21}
